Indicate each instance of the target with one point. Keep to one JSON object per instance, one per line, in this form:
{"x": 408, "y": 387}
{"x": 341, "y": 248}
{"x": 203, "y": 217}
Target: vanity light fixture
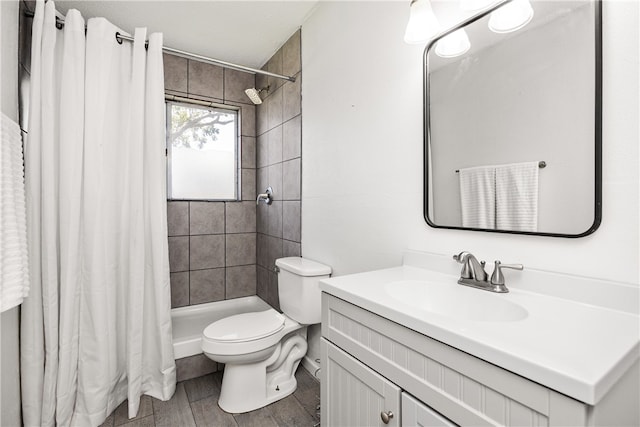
{"x": 422, "y": 24}
{"x": 511, "y": 17}
{"x": 454, "y": 44}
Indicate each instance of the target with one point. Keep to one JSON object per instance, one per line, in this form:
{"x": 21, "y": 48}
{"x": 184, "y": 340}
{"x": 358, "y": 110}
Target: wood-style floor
{"x": 195, "y": 403}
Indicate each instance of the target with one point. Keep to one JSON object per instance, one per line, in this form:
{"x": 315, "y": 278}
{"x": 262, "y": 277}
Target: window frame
{"x": 205, "y": 105}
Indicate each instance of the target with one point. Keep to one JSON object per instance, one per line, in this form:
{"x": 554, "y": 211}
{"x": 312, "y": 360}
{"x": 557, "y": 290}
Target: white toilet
{"x": 262, "y": 350}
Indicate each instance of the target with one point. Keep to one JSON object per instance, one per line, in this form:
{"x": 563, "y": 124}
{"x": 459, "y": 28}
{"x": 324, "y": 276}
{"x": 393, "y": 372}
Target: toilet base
{"x": 247, "y": 387}
{"x": 236, "y": 403}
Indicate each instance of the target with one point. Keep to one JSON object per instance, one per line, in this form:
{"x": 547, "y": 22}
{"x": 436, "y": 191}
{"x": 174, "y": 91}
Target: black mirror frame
{"x": 597, "y": 136}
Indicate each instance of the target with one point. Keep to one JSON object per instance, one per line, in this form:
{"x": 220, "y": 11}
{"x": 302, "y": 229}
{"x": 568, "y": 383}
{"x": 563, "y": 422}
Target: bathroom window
{"x": 202, "y": 152}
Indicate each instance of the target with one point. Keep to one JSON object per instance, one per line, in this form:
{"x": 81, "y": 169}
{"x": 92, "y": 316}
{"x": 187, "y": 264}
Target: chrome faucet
{"x": 471, "y": 268}
{"x": 474, "y": 275}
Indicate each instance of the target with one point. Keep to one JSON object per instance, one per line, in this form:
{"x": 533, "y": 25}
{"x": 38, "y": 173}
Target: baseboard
{"x": 311, "y": 366}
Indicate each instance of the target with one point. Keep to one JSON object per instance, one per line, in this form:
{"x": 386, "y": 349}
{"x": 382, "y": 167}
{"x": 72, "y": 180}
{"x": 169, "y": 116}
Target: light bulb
{"x": 422, "y": 25}
{"x": 454, "y": 44}
{"x": 511, "y": 17}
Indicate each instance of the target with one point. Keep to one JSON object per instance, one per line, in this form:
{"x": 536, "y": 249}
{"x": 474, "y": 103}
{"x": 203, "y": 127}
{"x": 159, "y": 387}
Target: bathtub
{"x": 189, "y": 322}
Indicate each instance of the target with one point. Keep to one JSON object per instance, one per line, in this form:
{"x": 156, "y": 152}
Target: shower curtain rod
{"x": 188, "y": 55}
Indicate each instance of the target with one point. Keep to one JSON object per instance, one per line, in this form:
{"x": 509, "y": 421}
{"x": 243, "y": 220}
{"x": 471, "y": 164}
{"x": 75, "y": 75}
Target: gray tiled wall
{"x": 278, "y": 161}
{"x": 212, "y": 245}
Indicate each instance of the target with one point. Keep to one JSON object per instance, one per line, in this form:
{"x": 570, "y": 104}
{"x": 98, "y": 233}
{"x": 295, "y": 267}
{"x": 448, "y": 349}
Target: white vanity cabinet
{"x": 360, "y": 397}
{"x": 369, "y": 364}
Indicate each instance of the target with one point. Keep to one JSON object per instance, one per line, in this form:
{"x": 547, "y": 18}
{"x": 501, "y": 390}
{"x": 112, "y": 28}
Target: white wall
{"x": 362, "y": 144}
{"x": 9, "y": 320}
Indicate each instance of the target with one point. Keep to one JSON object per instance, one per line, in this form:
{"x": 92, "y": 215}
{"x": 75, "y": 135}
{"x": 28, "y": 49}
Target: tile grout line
{"x": 313, "y": 416}
{"x": 191, "y": 408}
{"x": 225, "y": 234}
{"x": 188, "y": 203}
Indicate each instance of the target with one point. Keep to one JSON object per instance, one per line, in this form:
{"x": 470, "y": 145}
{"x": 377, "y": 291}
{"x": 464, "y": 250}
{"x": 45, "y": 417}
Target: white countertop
{"x": 575, "y": 348}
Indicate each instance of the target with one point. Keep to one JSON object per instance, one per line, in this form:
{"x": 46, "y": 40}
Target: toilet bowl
{"x": 262, "y": 350}
{"x": 252, "y": 348}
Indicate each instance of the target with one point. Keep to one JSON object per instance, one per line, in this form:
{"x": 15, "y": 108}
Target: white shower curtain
{"x": 96, "y": 328}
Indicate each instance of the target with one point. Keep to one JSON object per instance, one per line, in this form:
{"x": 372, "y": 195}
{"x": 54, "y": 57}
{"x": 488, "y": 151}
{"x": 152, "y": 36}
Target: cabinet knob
{"x": 386, "y": 416}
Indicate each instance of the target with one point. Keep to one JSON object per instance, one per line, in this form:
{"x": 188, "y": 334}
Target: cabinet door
{"x": 353, "y": 395}
{"x": 416, "y": 413}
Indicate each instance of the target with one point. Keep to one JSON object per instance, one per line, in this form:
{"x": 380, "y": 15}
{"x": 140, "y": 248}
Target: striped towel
{"x": 478, "y": 197}
{"x": 517, "y": 196}
{"x": 14, "y": 270}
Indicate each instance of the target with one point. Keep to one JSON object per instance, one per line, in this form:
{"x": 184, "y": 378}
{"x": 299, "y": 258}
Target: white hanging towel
{"x": 517, "y": 196}
{"x": 14, "y": 270}
{"x": 478, "y": 197}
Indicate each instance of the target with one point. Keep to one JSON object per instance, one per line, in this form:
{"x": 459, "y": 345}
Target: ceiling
{"x": 243, "y": 32}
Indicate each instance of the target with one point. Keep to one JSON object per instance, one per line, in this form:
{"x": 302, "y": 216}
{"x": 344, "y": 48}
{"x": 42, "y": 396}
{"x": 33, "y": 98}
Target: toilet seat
{"x": 245, "y": 326}
{"x": 245, "y": 333}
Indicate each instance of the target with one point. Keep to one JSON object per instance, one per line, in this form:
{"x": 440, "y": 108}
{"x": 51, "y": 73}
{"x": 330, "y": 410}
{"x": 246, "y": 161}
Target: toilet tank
{"x": 299, "y": 288}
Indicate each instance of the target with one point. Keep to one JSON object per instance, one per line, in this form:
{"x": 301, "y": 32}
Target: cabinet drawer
{"x": 463, "y": 388}
{"x": 353, "y": 395}
{"x": 415, "y": 413}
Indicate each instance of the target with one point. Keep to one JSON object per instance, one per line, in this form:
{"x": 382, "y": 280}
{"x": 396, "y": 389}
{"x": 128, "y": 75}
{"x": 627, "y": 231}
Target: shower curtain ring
{"x": 118, "y": 38}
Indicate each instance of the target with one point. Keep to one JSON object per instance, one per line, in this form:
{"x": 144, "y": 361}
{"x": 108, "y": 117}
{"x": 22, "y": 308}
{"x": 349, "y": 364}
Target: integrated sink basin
{"x": 456, "y": 301}
{"x": 572, "y": 334}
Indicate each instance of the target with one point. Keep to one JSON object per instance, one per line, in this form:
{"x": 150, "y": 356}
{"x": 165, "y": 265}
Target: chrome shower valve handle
{"x": 265, "y": 197}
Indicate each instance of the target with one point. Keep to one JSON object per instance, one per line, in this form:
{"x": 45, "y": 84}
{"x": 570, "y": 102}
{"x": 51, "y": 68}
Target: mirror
{"x": 513, "y": 125}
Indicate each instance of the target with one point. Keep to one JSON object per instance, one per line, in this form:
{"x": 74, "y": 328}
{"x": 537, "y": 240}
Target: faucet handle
{"x": 497, "y": 278}
{"x": 463, "y": 258}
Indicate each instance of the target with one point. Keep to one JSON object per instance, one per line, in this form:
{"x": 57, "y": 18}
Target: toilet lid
{"x": 245, "y": 326}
